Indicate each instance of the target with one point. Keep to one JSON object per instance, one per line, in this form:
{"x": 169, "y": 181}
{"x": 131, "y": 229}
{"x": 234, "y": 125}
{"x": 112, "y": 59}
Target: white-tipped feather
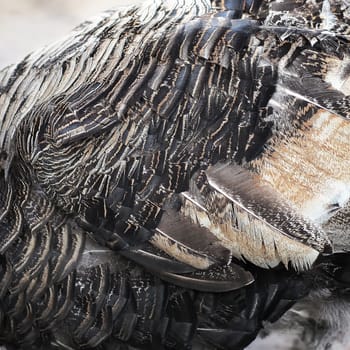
{"x": 180, "y": 252}
{"x": 337, "y": 76}
{"x": 329, "y": 20}
{"x": 253, "y": 240}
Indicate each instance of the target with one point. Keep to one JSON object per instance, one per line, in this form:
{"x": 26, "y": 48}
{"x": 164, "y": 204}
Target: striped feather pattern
{"x": 143, "y": 159}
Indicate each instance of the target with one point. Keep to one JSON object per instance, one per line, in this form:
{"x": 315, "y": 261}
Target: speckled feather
{"x": 143, "y": 160}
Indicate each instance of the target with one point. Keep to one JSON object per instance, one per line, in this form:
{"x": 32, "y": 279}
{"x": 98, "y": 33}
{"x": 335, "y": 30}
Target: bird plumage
{"x": 158, "y": 160}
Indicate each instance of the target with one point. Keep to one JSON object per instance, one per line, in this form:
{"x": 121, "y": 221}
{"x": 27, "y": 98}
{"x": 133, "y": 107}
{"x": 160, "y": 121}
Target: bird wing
{"x": 145, "y": 135}
{"x": 121, "y": 152}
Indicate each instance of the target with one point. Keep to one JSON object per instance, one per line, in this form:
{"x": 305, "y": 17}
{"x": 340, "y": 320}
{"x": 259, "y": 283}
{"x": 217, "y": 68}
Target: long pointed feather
{"x": 253, "y": 222}
{"x": 188, "y": 242}
{"x": 221, "y": 279}
{"x": 261, "y": 202}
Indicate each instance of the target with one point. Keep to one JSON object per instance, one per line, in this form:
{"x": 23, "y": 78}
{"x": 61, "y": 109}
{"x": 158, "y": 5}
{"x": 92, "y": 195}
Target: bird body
{"x": 158, "y": 161}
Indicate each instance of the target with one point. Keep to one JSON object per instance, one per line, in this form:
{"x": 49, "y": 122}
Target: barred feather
{"x": 159, "y": 164}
